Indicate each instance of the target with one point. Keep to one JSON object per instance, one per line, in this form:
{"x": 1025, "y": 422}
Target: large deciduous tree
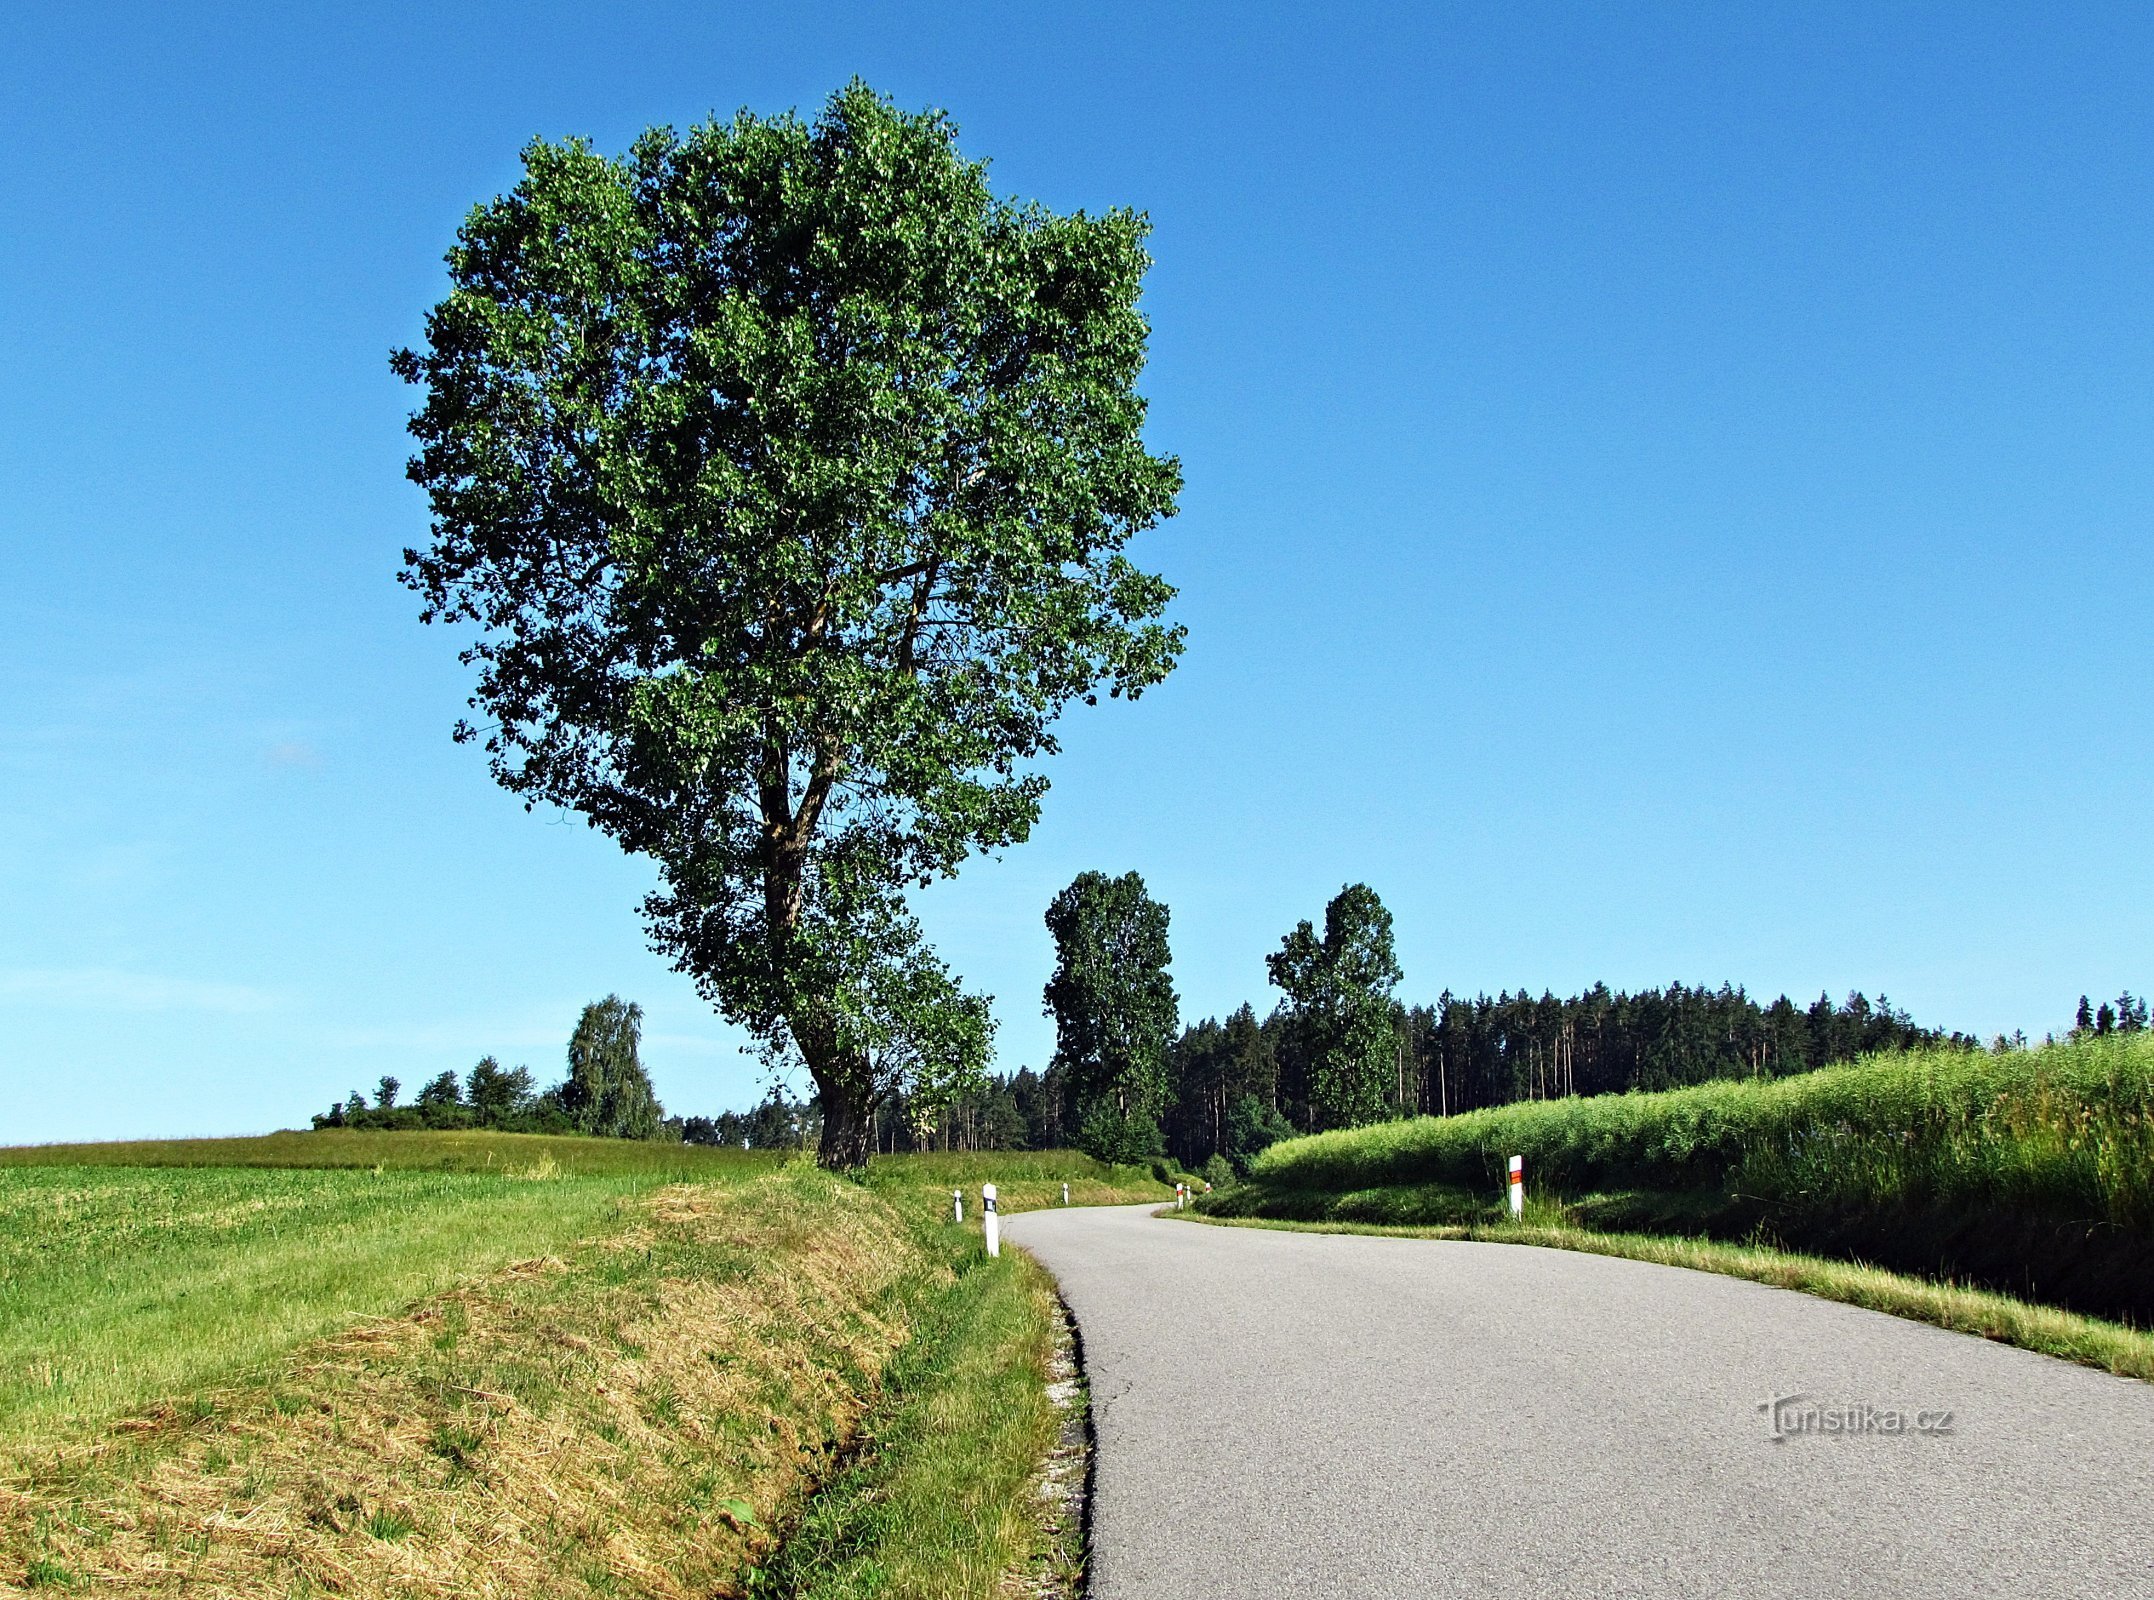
{"x": 1339, "y": 987}
{"x": 784, "y": 472}
{"x": 1115, "y": 1011}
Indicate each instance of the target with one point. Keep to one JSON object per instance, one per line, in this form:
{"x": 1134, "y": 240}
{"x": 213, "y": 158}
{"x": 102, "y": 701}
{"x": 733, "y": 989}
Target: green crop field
{"x": 2028, "y": 1170}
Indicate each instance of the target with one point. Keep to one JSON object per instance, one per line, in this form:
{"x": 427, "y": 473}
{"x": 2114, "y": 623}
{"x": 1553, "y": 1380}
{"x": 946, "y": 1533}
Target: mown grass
{"x": 2027, "y": 1171}
{"x": 433, "y": 1370}
{"x": 468, "y": 1151}
{"x": 1025, "y": 1180}
{"x": 635, "y": 1416}
{"x": 2089, "y": 1341}
{"x": 119, "y": 1285}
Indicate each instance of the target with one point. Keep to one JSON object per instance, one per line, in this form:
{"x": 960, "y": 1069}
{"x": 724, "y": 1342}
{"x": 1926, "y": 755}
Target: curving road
{"x": 1286, "y": 1414}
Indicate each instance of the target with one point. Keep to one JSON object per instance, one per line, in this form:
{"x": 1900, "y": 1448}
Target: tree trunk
{"x": 848, "y": 1133}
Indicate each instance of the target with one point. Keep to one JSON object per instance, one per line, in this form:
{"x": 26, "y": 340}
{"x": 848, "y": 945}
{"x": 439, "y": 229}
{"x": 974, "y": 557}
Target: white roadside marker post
{"x": 1065, "y": 1194}
{"x": 1518, "y": 1187}
{"x": 990, "y": 1220}
{"x": 957, "y": 1205}
{"x": 1181, "y": 1196}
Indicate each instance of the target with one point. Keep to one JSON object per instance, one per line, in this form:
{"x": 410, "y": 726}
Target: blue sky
{"x": 1667, "y": 498}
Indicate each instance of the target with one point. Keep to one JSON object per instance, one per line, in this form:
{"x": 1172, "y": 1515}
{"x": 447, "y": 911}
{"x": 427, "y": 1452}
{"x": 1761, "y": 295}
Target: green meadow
{"x": 119, "y": 1285}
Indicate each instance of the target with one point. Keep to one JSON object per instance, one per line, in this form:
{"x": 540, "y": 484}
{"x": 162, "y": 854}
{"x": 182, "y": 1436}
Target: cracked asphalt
{"x": 1286, "y": 1414}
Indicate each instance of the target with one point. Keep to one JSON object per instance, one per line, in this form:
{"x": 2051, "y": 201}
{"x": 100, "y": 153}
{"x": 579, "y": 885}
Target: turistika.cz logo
{"x": 1798, "y": 1416}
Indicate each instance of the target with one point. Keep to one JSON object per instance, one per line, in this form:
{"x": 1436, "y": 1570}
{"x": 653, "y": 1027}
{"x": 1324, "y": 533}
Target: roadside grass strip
{"x": 2069, "y": 1127}
{"x": 2128, "y": 1352}
{"x": 2026, "y": 1172}
{"x": 945, "y": 1500}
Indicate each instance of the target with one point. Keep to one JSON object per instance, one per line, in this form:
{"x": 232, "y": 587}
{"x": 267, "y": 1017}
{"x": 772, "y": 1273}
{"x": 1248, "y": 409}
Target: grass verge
{"x": 640, "y": 1410}
{"x": 2089, "y": 1341}
{"x": 945, "y": 1498}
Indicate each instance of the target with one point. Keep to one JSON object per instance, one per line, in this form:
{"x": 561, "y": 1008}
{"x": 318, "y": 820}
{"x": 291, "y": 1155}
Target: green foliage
{"x": 783, "y": 472}
{"x": 1119, "y": 1136}
{"x": 608, "y": 1093}
{"x": 1339, "y": 987}
{"x": 442, "y": 1090}
{"x": 1252, "y": 1128}
{"x": 498, "y": 1097}
{"x": 1115, "y": 1011}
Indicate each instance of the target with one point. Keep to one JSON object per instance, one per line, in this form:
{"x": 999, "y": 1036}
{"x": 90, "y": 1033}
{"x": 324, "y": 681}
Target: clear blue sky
{"x": 1668, "y": 497}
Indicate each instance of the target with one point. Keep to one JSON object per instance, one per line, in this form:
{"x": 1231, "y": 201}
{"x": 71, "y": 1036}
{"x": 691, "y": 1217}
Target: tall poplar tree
{"x": 782, "y": 472}
{"x": 1339, "y": 987}
{"x": 1115, "y": 1012}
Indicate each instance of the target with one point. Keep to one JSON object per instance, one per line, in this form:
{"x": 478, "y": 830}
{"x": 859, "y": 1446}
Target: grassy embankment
{"x": 1945, "y": 1185}
{"x": 565, "y": 1372}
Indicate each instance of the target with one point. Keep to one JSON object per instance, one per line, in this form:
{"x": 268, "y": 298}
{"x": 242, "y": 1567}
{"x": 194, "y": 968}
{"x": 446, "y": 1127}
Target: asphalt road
{"x": 1284, "y": 1414}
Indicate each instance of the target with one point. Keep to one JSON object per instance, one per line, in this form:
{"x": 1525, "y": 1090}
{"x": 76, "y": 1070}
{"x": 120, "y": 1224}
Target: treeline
{"x": 1129, "y": 1081}
{"x": 606, "y": 1094}
{"x": 1237, "y": 1085}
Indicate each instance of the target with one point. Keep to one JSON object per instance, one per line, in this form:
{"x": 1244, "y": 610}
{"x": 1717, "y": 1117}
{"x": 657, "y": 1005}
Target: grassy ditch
{"x": 557, "y": 1385}
{"x": 2027, "y": 1172}
{"x": 945, "y": 1498}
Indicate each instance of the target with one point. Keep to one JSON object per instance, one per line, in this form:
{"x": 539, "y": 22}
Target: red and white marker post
{"x": 1181, "y": 1196}
{"x": 1518, "y": 1187}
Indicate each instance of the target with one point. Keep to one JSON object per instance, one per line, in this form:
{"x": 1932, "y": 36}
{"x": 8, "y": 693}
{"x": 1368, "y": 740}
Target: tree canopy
{"x": 1115, "y": 1011}
{"x": 782, "y": 473}
{"x": 1339, "y": 988}
{"x": 607, "y": 1092}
